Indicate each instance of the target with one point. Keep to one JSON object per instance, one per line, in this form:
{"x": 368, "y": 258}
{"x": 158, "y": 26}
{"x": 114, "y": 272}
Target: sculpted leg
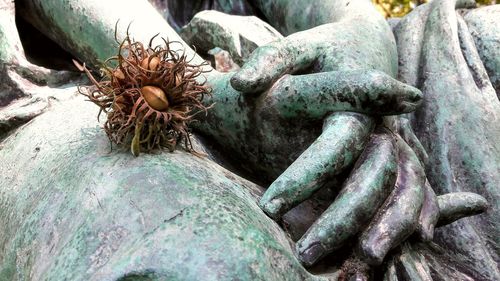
{"x": 74, "y": 210}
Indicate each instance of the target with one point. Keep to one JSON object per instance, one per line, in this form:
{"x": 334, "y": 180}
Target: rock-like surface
{"x": 103, "y": 214}
{"x": 484, "y": 26}
{"x": 458, "y": 125}
{"x": 239, "y": 35}
{"x": 72, "y": 209}
{"x": 179, "y": 13}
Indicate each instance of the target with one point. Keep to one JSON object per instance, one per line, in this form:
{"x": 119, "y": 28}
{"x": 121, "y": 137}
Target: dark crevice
{"x": 179, "y": 13}
{"x": 40, "y": 50}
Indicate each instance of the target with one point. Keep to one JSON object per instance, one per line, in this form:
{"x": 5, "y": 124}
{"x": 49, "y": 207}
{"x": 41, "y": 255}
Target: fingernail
{"x": 237, "y": 81}
{"x": 370, "y": 255}
{"x": 243, "y": 81}
{"x": 273, "y": 208}
{"x": 415, "y": 95}
{"x": 249, "y": 80}
{"x": 312, "y": 254}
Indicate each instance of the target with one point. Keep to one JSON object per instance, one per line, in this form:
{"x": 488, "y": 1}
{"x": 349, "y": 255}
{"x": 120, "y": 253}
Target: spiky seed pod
{"x": 149, "y": 94}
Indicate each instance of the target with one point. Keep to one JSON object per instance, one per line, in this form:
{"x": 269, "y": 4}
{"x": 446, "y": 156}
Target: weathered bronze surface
{"x": 359, "y": 140}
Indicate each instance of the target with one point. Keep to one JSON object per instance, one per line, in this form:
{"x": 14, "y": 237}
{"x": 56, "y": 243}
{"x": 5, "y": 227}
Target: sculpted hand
{"x": 328, "y": 74}
{"x": 386, "y": 197}
{"x": 343, "y": 80}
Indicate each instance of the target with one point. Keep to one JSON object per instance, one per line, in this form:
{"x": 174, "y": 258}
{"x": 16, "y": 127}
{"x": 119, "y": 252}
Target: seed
{"x": 155, "y": 97}
{"x": 153, "y": 64}
{"x": 118, "y": 74}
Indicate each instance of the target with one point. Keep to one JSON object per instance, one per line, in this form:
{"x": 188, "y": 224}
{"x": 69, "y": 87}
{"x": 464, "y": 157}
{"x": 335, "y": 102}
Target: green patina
{"x": 73, "y": 210}
{"x": 122, "y": 211}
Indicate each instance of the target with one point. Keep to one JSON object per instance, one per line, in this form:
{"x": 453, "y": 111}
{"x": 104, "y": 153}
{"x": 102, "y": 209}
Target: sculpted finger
{"x": 429, "y": 214}
{"x": 390, "y": 271}
{"x": 406, "y": 132}
{"x": 268, "y": 63}
{"x": 365, "y": 189}
{"x": 313, "y": 96}
{"x": 457, "y": 205}
{"x": 398, "y": 217}
{"x": 343, "y": 139}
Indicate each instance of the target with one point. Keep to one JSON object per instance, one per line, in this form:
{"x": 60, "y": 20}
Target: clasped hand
{"x": 310, "y": 75}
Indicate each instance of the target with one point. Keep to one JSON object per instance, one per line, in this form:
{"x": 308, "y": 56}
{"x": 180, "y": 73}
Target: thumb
{"x": 268, "y": 63}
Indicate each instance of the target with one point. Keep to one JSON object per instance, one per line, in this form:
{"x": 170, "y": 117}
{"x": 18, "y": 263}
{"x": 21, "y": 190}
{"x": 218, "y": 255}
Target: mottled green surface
{"x": 363, "y": 192}
{"x": 484, "y": 26}
{"x": 406, "y": 132}
{"x": 104, "y": 215}
{"x": 453, "y": 206}
{"x": 6, "y": 37}
{"x": 9, "y": 54}
{"x": 235, "y": 117}
{"x": 398, "y": 217}
{"x": 290, "y": 16}
{"x": 365, "y": 91}
{"x": 342, "y": 140}
{"x": 179, "y": 13}
{"x": 458, "y": 125}
{"x": 429, "y": 214}
{"x": 90, "y": 38}
{"x": 331, "y": 47}
{"x": 238, "y": 35}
